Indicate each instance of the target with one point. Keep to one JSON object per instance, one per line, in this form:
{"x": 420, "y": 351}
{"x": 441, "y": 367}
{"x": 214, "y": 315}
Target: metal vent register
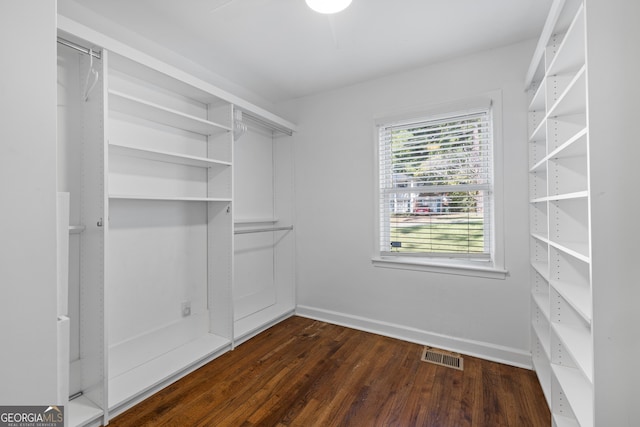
{"x": 443, "y": 358}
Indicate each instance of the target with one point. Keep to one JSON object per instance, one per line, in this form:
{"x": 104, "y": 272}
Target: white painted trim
{"x": 444, "y": 266}
{"x": 483, "y": 350}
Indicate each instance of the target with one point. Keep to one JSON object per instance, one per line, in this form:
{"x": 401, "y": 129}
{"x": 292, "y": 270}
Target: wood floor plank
{"x": 493, "y": 396}
{"x": 305, "y": 373}
{"x": 472, "y": 399}
{"x": 416, "y": 409}
{"x": 393, "y": 390}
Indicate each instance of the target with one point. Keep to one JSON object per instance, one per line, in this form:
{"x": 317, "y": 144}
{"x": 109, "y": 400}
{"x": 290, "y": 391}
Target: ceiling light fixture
{"x": 328, "y": 6}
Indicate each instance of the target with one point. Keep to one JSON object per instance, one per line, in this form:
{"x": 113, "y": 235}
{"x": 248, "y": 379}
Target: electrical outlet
{"x": 186, "y": 308}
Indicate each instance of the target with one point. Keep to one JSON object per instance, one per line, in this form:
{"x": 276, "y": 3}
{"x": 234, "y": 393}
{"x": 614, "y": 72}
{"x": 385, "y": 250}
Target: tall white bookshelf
{"x": 583, "y": 174}
{"x": 559, "y": 198}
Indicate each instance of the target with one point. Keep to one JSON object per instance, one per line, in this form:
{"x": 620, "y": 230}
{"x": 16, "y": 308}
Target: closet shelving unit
{"x": 562, "y": 338}
{"x": 156, "y": 227}
{"x": 170, "y": 153}
{"x": 263, "y": 230}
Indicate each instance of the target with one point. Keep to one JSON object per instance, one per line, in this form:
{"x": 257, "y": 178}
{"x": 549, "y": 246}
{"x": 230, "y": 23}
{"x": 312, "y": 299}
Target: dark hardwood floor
{"x": 303, "y": 372}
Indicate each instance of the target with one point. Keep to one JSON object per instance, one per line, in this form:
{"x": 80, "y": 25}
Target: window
{"x": 436, "y": 188}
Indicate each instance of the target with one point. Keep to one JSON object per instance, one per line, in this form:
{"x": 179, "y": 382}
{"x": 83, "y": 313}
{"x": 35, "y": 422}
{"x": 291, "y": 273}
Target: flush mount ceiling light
{"x": 328, "y": 6}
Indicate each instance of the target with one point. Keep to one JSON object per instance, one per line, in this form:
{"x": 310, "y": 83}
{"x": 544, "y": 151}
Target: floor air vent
{"x": 442, "y": 357}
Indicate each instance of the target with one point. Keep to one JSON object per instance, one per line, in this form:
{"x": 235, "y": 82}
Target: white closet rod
{"x": 79, "y": 48}
{"x": 262, "y": 230}
{"x": 269, "y": 125}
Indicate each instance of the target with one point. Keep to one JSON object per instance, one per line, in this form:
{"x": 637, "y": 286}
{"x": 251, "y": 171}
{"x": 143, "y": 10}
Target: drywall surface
{"x": 28, "y": 269}
{"x": 614, "y": 64}
{"x": 335, "y": 213}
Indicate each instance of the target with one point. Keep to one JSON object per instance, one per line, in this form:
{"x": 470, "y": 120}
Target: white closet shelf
{"x": 542, "y": 333}
{"x": 579, "y": 297}
{"x": 539, "y": 133}
{"x": 571, "y": 52}
{"x": 562, "y": 129}
{"x": 542, "y": 268}
{"x": 579, "y": 250}
{"x": 130, "y": 105}
{"x": 539, "y": 200}
{"x": 542, "y": 237}
{"x": 541, "y": 366}
{"x": 565, "y": 196}
{"x": 537, "y": 151}
{"x": 576, "y": 146}
{"x": 578, "y": 391}
{"x": 539, "y": 167}
{"x": 569, "y": 196}
{"x": 165, "y": 156}
{"x": 542, "y": 301}
{"x": 153, "y": 373}
{"x": 81, "y": 411}
{"x": 561, "y": 421}
{"x": 169, "y": 198}
{"x": 577, "y": 341}
{"x": 76, "y": 229}
{"x": 572, "y": 101}
{"x": 538, "y": 101}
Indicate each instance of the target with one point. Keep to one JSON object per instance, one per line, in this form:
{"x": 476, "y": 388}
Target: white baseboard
{"x": 483, "y": 350}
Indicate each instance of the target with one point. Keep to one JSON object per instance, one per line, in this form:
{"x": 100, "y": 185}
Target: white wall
{"x": 613, "y": 68}
{"x": 335, "y": 213}
{"x": 28, "y": 188}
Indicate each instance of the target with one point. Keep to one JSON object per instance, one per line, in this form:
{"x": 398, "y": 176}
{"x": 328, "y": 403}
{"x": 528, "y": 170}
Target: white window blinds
{"x": 436, "y": 186}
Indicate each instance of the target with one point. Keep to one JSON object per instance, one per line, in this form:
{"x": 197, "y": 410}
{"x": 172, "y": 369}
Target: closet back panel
{"x": 128, "y": 130}
{"x": 254, "y": 287}
{"x": 157, "y": 256}
{"x": 253, "y": 173}
{"x": 158, "y": 260}
{"x": 254, "y": 280}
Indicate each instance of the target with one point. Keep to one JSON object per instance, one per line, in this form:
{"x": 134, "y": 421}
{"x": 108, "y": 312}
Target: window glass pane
{"x": 452, "y": 222}
{"x": 435, "y": 187}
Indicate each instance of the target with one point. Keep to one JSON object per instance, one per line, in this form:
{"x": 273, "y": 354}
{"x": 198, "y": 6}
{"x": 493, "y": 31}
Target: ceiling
{"x": 280, "y": 49}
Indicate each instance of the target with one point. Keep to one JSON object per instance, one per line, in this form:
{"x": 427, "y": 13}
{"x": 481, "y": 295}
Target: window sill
{"x": 458, "y": 267}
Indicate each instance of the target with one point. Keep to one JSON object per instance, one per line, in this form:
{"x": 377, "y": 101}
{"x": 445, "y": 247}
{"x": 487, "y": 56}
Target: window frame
{"x": 492, "y": 268}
